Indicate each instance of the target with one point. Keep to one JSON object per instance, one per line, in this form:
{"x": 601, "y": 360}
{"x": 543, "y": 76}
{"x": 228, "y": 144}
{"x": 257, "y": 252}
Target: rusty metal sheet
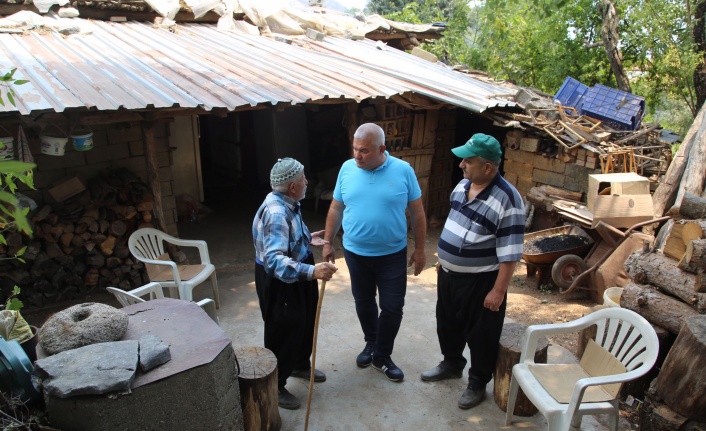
{"x": 194, "y": 338}
{"x": 135, "y": 65}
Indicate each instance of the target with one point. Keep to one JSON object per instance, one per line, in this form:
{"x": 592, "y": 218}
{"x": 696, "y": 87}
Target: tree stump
{"x": 509, "y": 352}
{"x": 258, "y": 388}
{"x": 681, "y": 382}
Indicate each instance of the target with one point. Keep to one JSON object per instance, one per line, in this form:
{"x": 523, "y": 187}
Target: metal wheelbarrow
{"x": 565, "y": 264}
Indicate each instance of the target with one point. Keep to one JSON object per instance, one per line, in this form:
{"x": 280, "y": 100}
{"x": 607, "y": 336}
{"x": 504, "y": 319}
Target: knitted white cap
{"x": 284, "y": 171}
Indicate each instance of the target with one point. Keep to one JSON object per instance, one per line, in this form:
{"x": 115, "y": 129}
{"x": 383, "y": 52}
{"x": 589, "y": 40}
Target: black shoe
{"x": 440, "y": 372}
{"x": 472, "y": 396}
{"x": 388, "y": 368}
{"x": 366, "y": 356}
{"x": 319, "y": 376}
{"x": 287, "y": 400}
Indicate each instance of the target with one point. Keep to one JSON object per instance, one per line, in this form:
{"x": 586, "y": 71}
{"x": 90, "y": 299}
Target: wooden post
{"x": 258, "y": 389}
{"x": 509, "y": 352}
{"x": 153, "y": 172}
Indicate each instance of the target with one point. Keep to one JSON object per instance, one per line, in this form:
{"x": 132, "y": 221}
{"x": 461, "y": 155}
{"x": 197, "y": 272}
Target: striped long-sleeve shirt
{"x": 481, "y": 233}
{"x": 282, "y": 239}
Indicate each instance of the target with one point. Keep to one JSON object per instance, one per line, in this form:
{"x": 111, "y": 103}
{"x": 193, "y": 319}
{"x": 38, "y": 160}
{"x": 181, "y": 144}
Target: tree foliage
{"x": 538, "y": 43}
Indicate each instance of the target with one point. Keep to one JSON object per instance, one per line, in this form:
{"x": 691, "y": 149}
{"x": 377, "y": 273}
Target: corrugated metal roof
{"x": 137, "y": 66}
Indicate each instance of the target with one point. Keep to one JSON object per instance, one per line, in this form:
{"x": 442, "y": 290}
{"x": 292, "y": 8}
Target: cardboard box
{"x": 620, "y": 184}
{"x": 67, "y": 188}
{"x": 623, "y": 211}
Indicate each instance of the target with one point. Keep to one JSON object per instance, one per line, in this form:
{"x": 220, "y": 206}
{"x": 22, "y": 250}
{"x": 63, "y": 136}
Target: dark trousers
{"x": 289, "y": 312}
{"x": 387, "y": 276}
{"x": 462, "y": 319}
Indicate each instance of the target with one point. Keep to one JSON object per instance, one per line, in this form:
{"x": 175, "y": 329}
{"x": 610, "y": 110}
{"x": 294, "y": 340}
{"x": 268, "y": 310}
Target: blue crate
{"x": 571, "y": 93}
{"x": 616, "y": 108}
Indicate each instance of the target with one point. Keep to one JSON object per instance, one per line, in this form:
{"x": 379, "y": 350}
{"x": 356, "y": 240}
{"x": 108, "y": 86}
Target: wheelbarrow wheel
{"x": 566, "y": 268}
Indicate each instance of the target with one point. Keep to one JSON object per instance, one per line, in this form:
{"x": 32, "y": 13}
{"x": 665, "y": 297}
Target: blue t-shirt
{"x": 374, "y": 221}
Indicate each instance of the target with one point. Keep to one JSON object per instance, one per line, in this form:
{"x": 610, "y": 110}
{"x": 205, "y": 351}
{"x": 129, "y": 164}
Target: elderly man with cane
{"x": 286, "y": 276}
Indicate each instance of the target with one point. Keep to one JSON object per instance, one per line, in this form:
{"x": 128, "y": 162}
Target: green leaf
{"x": 14, "y": 304}
{"x": 16, "y": 290}
{"x": 14, "y": 166}
{"x": 21, "y": 251}
{"x": 21, "y": 81}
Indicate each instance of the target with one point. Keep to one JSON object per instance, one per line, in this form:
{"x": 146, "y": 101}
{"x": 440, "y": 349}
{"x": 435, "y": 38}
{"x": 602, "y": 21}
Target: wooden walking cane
{"x": 313, "y": 353}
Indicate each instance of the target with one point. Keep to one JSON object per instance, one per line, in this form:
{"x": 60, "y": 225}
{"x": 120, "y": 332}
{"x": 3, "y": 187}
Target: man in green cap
{"x": 478, "y": 249}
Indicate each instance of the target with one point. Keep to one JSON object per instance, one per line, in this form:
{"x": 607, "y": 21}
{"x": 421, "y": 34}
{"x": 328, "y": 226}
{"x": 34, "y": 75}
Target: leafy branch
{"x": 6, "y": 83}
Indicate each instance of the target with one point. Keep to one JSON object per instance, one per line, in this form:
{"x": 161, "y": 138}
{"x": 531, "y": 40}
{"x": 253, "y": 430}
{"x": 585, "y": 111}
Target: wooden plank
{"x": 430, "y": 126}
{"x": 418, "y": 130}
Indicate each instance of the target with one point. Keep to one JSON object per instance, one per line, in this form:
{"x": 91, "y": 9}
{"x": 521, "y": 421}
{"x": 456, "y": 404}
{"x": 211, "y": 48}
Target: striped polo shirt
{"x": 484, "y": 232}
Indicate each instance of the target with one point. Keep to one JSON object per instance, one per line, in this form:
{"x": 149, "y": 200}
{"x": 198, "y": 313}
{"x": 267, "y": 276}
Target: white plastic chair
{"x": 147, "y": 245}
{"x": 625, "y": 348}
{"x": 154, "y": 290}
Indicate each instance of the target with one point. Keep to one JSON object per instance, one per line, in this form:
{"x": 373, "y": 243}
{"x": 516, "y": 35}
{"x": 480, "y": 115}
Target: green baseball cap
{"x": 480, "y": 145}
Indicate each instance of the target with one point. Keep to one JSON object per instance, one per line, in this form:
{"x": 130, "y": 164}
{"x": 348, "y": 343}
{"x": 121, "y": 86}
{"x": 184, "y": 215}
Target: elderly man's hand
{"x": 324, "y": 270}
{"x": 317, "y": 238}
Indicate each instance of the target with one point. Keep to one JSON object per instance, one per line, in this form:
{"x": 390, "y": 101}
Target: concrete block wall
{"x": 115, "y": 146}
{"x": 567, "y": 170}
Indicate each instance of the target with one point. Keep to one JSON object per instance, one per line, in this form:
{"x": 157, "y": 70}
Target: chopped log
{"x": 77, "y": 241}
{"x": 103, "y": 226}
{"x": 693, "y": 207}
{"x": 145, "y": 206}
{"x": 659, "y": 271}
{"x": 695, "y": 172}
{"x": 42, "y": 213}
{"x": 95, "y": 259}
{"x": 509, "y": 352}
{"x": 118, "y": 228}
{"x": 108, "y": 245}
{"x": 658, "y": 308}
{"x": 564, "y": 194}
{"x": 666, "y": 193}
{"x": 657, "y": 416}
{"x": 66, "y": 238}
{"x": 693, "y": 229}
{"x": 674, "y": 248}
{"x": 681, "y": 382}
{"x": 258, "y": 389}
{"x": 121, "y": 251}
{"x": 694, "y": 260}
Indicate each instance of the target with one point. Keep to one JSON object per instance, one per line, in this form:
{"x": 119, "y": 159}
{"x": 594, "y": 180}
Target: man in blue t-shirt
{"x": 372, "y": 192}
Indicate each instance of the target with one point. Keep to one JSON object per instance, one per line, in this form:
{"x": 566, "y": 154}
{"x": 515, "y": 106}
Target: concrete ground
{"x": 352, "y": 398}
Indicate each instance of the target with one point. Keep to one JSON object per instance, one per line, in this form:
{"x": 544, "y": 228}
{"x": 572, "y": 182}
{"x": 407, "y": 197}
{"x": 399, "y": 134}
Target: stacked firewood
{"x": 81, "y": 244}
{"x": 669, "y": 289}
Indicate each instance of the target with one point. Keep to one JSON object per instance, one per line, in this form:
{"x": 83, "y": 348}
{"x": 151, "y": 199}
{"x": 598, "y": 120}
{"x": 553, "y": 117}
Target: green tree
{"x": 385, "y": 7}
{"x": 12, "y": 215}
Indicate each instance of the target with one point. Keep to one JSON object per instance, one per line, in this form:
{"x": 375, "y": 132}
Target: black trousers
{"x": 289, "y": 312}
{"x": 462, "y": 319}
